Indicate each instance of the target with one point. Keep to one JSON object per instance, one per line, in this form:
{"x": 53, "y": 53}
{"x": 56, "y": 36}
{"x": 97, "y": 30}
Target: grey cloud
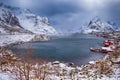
{"x": 70, "y": 14}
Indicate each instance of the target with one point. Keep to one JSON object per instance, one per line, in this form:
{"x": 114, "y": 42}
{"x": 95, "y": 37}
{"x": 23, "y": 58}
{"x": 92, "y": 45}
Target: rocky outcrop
{"x": 40, "y": 38}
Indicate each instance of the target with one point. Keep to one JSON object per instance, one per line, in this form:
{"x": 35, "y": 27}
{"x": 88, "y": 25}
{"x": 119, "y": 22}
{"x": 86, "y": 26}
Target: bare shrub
{"x": 30, "y": 67}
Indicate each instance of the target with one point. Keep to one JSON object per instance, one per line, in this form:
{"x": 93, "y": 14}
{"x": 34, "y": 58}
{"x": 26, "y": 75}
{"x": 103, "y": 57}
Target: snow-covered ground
{"x": 63, "y": 71}
{"x": 5, "y": 76}
{"x": 10, "y": 39}
{"x": 14, "y": 39}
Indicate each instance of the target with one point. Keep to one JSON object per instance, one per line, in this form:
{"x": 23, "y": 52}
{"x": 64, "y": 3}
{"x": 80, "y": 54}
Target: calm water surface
{"x": 66, "y": 49}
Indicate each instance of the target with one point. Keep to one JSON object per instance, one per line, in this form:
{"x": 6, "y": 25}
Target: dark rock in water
{"x": 71, "y": 65}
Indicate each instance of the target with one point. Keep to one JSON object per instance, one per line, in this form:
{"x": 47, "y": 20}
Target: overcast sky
{"x": 71, "y": 14}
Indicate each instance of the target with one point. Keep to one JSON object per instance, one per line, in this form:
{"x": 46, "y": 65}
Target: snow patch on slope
{"x": 2, "y": 30}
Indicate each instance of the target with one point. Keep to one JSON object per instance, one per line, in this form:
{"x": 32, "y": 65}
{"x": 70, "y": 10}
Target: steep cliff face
{"x": 15, "y": 20}
{"x": 9, "y": 23}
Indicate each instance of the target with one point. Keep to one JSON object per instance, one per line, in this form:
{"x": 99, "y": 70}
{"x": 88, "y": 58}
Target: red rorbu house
{"x": 108, "y": 43}
{"x": 108, "y": 46}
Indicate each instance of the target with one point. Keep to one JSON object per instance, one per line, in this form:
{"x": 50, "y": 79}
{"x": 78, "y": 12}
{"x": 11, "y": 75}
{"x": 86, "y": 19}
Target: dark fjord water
{"x": 67, "y": 49}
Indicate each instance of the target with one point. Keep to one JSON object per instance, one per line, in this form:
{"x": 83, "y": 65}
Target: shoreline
{"x": 82, "y": 69}
{"x": 8, "y": 40}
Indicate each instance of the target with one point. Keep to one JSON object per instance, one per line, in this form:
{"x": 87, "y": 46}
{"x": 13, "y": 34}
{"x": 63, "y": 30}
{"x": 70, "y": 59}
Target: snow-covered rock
{"x": 16, "y": 20}
{"x": 97, "y": 25}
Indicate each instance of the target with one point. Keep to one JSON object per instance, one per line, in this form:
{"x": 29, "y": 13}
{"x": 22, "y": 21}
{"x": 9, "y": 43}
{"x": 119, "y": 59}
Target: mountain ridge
{"x": 98, "y": 25}
{"x": 16, "y": 20}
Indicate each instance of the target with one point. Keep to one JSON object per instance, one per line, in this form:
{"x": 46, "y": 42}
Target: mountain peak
{"x": 98, "y": 25}
{"x": 96, "y": 19}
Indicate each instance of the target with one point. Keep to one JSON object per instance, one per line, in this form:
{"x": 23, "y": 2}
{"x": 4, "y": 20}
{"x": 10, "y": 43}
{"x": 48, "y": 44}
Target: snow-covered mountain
{"x": 97, "y": 25}
{"x": 15, "y": 20}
